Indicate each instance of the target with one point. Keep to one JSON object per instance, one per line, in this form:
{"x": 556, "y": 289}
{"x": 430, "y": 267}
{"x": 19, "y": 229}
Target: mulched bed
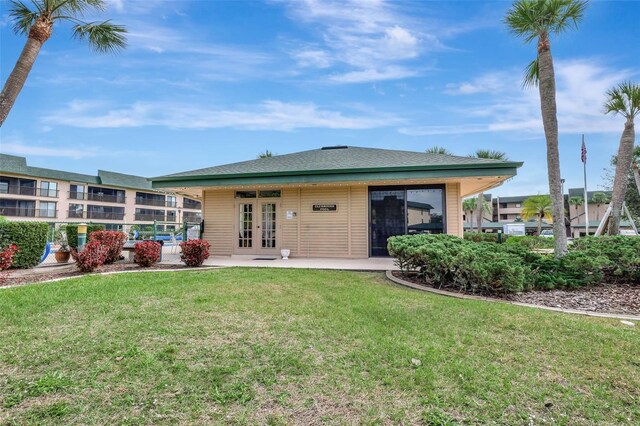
{"x": 26, "y": 276}
{"x": 605, "y": 298}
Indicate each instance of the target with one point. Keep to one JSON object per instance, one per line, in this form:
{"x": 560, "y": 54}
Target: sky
{"x": 204, "y": 83}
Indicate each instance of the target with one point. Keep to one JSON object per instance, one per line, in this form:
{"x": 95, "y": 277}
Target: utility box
{"x": 515, "y": 229}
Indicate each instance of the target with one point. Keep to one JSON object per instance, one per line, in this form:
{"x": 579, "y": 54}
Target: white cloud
{"x": 505, "y": 106}
{"x": 369, "y": 36}
{"x": 118, "y": 5}
{"x": 269, "y": 115}
{"x": 18, "y": 147}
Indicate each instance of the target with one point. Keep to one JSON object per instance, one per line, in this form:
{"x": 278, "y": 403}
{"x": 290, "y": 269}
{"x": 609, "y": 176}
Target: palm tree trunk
{"x": 547, "y": 88}
{"x": 39, "y": 33}
{"x": 621, "y": 179}
{"x": 539, "y": 224}
{"x": 636, "y": 176}
{"x": 480, "y": 207}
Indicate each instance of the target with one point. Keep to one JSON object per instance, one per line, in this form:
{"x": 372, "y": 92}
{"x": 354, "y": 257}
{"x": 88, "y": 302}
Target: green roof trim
{"x": 18, "y": 165}
{"x": 339, "y": 164}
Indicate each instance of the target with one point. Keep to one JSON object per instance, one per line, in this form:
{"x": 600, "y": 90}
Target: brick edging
{"x": 411, "y": 285}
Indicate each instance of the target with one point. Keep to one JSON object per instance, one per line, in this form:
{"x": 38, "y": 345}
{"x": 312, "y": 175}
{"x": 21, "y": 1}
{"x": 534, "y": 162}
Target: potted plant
{"x": 63, "y": 253}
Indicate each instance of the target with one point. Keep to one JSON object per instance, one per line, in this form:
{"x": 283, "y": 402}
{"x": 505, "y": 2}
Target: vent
{"x": 326, "y": 148}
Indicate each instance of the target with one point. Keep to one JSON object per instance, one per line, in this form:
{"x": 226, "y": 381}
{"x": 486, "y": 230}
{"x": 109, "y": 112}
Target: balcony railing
{"x": 151, "y": 202}
{"x": 29, "y": 190}
{"x": 104, "y": 215}
{"x": 149, "y": 217}
{"x": 96, "y": 196}
{"x": 27, "y": 212}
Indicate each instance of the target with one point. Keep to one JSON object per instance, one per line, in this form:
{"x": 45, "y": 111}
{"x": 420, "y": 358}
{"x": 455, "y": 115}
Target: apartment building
{"x": 40, "y": 194}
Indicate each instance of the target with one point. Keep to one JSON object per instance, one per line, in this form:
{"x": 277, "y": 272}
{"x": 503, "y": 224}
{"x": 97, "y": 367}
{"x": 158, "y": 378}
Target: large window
{"x": 404, "y": 210}
{"x": 76, "y": 192}
{"x": 48, "y": 189}
{"x": 47, "y": 209}
{"x": 105, "y": 212}
{"x": 76, "y": 211}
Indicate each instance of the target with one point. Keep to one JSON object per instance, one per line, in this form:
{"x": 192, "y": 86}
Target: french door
{"x": 257, "y": 225}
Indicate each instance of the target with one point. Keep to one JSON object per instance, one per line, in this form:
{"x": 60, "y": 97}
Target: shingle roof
{"x": 18, "y": 165}
{"x": 340, "y": 159}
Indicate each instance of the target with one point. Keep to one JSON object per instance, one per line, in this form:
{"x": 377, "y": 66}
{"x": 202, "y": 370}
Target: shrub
{"x": 194, "y": 252}
{"x": 6, "y": 256}
{"x": 30, "y": 237}
{"x": 485, "y": 237}
{"x": 93, "y": 255}
{"x": 72, "y": 232}
{"x": 620, "y": 256}
{"x": 147, "y": 253}
{"x": 480, "y": 268}
{"x": 532, "y": 242}
{"x": 113, "y": 241}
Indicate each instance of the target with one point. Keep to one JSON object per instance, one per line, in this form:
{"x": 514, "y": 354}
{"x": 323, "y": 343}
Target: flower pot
{"x": 62, "y": 256}
{"x": 285, "y": 253}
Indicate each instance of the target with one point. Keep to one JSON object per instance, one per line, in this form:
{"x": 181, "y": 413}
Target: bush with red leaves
{"x": 6, "y": 256}
{"x": 93, "y": 255}
{"x": 194, "y": 252}
{"x": 147, "y": 253}
{"x": 113, "y": 241}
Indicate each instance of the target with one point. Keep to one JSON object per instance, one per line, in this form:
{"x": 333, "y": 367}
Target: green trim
{"x": 340, "y": 176}
{"x": 506, "y": 164}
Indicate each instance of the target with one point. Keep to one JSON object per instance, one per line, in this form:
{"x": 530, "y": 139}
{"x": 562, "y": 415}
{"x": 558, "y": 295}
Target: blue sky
{"x": 205, "y": 83}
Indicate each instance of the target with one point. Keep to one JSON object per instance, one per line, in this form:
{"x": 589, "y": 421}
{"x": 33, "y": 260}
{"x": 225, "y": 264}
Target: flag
{"x": 584, "y": 153}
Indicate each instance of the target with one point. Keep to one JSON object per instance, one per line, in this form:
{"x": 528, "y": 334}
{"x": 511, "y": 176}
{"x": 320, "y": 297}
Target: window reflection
{"x": 424, "y": 211}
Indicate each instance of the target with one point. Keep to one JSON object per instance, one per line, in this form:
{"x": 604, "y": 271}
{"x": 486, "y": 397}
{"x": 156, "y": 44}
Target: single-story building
{"x": 337, "y": 201}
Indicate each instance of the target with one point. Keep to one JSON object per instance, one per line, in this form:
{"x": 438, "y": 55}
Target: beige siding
{"x": 454, "y": 207}
{"x": 218, "y": 214}
{"x": 359, "y": 221}
{"x": 289, "y": 227}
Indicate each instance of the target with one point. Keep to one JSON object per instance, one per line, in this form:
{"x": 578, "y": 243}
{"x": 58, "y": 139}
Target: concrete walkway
{"x": 371, "y": 264}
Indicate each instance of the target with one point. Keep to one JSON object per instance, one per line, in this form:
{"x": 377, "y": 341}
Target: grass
{"x": 273, "y": 346}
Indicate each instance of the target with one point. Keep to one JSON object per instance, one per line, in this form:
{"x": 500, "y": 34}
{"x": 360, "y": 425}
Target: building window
{"x": 171, "y": 216}
{"x": 76, "y": 211}
{"x": 171, "y": 201}
{"x": 518, "y": 205}
{"x": 503, "y": 205}
{"x": 245, "y": 194}
{"x": 47, "y": 209}
{"x": 105, "y": 212}
{"x": 404, "y": 210}
{"x": 191, "y": 204}
{"x": 19, "y": 208}
{"x": 504, "y": 217}
{"x": 76, "y": 192}
{"x": 270, "y": 194}
{"x": 48, "y": 189}
{"x": 147, "y": 199}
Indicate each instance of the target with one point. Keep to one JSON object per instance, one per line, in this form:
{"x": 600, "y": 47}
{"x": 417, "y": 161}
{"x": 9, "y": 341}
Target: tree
{"x": 468, "y": 206}
{"x": 599, "y": 198}
{"x": 539, "y": 19}
{"x": 438, "y": 150}
{"x": 266, "y": 154}
{"x": 540, "y": 207}
{"x": 575, "y": 201}
{"x": 487, "y": 154}
{"x": 624, "y": 99}
{"x": 37, "y": 21}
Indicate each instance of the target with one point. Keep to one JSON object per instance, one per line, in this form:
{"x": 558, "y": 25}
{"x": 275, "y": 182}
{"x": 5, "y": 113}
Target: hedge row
{"x": 72, "y": 232}
{"x": 31, "y": 239}
{"x": 486, "y": 268}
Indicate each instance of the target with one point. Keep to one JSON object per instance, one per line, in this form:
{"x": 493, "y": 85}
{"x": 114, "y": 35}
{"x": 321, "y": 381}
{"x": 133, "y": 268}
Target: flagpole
{"x": 586, "y": 198}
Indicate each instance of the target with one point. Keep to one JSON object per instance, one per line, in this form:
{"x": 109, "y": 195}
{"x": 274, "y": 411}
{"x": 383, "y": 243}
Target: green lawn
{"x": 273, "y": 346}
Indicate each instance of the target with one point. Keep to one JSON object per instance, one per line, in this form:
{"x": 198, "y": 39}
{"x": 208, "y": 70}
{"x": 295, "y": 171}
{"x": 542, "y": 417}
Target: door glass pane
{"x": 424, "y": 211}
{"x": 268, "y": 225}
{"x": 245, "y": 237}
{"x": 387, "y": 218}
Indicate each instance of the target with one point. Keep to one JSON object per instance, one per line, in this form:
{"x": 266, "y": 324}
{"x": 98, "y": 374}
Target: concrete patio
{"x": 370, "y": 264}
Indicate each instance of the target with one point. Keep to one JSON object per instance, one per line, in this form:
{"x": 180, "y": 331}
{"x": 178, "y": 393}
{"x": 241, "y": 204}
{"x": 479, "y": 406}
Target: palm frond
{"x": 438, "y": 150}
{"x": 102, "y": 36}
{"x": 74, "y": 7}
{"x": 531, "y": 19}
{"x": 22, "y": 16}
{"x": 623, "y": 99}
{"x": 490, "y": 154}
{"x": 531, "y": 75}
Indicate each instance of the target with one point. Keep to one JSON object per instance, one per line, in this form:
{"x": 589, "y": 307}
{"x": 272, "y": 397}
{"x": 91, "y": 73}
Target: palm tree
{"x": 540, "y": 207}
{"x": 599, "y": 198}
{"x": 266, "y": 154}
{"x": 468, "y": 206}
{"x": 575, "y": 201}
{"x": 489, "y": 155}
{"x": 539, "y": 19}
{"x": 624, "y": 99}
{"x": 438, "y": 150}
{"x": 36, "y": 22}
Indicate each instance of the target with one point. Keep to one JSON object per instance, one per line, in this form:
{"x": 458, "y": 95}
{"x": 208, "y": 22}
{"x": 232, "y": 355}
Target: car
{"x": 628, "y": 233}
{"x": 547, "y": 233}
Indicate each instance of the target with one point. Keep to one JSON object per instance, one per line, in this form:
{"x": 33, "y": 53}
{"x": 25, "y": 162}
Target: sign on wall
{"x": 325, "y": 207}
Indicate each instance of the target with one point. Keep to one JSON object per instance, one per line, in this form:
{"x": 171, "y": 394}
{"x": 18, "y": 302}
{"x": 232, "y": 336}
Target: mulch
{"x": 605, "y": 298}
{"x": 15, "y": 277}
